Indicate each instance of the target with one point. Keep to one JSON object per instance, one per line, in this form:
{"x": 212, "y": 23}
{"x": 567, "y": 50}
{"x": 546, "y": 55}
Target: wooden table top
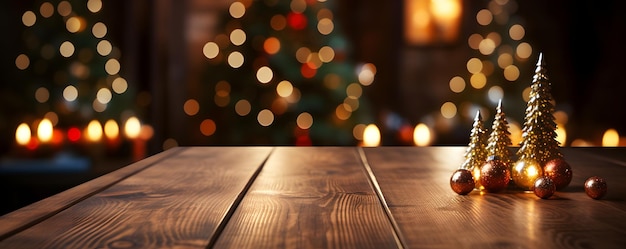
{"x": 320, "y": 197}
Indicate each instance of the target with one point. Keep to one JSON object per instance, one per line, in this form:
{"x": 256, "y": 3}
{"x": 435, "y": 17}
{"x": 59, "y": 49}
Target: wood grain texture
{"x": 415, "y": 183}
{"x": 21, "y": 219}
{"x": 178, "y": 203}
{"x": 310, "y": 197}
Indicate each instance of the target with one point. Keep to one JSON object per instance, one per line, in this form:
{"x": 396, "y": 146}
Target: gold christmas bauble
{"x": 525, "y": 172}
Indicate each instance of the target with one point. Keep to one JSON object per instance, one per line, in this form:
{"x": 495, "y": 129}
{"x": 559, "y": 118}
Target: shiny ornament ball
{"x": 544, "y": 187}
{"x": 559, "y": 171}
{"x": 595, "y": 187}
{"x": 462, "y": 181}
{"x": 525, "y": 172}
{"x": 495, "y": 175}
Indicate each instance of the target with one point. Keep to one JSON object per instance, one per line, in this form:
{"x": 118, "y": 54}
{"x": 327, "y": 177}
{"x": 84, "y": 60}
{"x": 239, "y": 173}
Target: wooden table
{"x": 320, "y": 197}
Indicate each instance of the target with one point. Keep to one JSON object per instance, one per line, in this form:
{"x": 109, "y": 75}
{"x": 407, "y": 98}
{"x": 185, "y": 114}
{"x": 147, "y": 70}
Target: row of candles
{"x": 44, "y": 136}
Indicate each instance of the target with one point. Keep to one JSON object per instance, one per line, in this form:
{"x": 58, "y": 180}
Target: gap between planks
{"x": 374, "y": 183}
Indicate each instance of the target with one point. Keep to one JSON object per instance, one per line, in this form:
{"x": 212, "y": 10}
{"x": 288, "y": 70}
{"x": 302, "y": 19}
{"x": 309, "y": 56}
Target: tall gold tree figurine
{"x": 539, "y": 131}
{"x": 500, "y": 137}
{"x": 539, "y": 152}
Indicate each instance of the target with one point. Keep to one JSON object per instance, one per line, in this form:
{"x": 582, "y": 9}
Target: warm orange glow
{"x": 132, "y": 128}
{"x": 610, "y": 138}
{"x": 371, "y": 136}
{"x": 44, "y": 130}
{"x": 94, "y": 131}
{"x": 111, "y": 129}
{"x": 421, "y": 135}
{"x": 432, "y": 21}
{"x": 22, "y": 134}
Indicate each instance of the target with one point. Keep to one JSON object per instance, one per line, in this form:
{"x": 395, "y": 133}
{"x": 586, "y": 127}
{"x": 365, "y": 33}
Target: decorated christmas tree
{"x": 499, "y": 139}
{"x": 539, "y": 131}
{"x": 72, "y": 71}
{"x": 281, "y": 73}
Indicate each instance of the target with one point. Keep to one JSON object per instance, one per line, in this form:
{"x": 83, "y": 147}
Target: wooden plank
{"x": 180, "y": 202}
{"x": 310, "y": 197}
{"x": 25, "y": 217}
{"x": 415, "y": 183}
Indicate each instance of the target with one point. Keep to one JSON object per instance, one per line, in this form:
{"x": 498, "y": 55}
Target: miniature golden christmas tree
{"x": 539, "y": 131}
{"x": 476, "y": 153}
{"x": 499, "y": 139}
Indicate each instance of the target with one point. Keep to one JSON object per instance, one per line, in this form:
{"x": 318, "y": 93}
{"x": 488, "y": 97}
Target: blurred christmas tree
{"x": 69, "y": 70}
{"x": 500, "y": 60}
{"x": 280, "y": 73}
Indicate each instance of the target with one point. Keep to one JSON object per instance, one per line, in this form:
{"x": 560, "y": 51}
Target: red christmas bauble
{"x": 544, "y": 187}
{"x": 596, "y": 187}
{"x": 559, "y": 171}
{"x": 495, "y": 175}
{"x": 462, "y": 181}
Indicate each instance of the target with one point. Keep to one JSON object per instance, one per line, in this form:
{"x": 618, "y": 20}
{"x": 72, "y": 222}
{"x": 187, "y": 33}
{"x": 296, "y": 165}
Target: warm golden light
{"x": 44, "y": 130}
{"x": 70, "y": 93}
{"x": 371, "y": 136}
{"x": 432, "y": 21}
{"x": 235, "y": 59}
{"x": 119, "y": 85}
{"x": 448, "y": 110}
{"x": 22, "y": 134}
{"x": 457, "y": 84}
{"x": 237, "y": 9}
{"x": 484, "y": 17}
{"x": 264, "y": 74}
{"x": 237, "y": 37}
{"x": 610, "y": 138}
{"x": 367, "y": 74}
{"x": 29, "y": 18}
{"x": 104, "y": 47}
{"x": 511, "y": 73}
{"x": 94, "y": 5}
{"x": 304, "y": 120}
{"x": 74, "y": 24}
{"x": 104, "y": 95}
{"x": 325, "y": 26}
{"x": 94, "y": 131}
{"x": 478, "y": 80}
{"x": 517, "y": 32}
{"x": 474, "y": 65}
{"x": 111, "y": 129}
{"x": 421, "y": 135}
{"x": 66, "y": 49}
{"x": 99, "y": 30}
{"x": 284, "y": 88}
{"x": 132, "y": 127}
{"x": 112, "y": 67}
{"x": 210, "y": 50}
{"x": 265, "y": 117}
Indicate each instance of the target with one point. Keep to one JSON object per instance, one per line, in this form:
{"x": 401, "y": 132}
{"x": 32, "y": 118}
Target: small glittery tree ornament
{"x": 539, "y": 144}
{"x": 476, "y": 153}
{"x": 500, "y": 137}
